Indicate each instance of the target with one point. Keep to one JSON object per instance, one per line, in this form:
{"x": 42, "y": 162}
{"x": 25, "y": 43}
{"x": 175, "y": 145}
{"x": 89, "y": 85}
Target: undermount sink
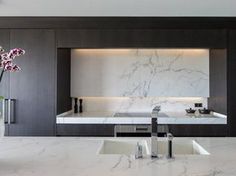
{"x": 182, "y": 147}
{"x": 127, "y": 147}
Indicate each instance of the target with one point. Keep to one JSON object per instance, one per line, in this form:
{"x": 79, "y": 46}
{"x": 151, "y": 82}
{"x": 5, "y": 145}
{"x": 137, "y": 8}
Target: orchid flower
{"x": 6, "y": 60}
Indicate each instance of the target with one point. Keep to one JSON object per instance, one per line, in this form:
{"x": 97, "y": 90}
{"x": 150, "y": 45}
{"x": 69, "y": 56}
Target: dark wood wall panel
{"x": 5, "y": 84}
{"x": 231, "y": 82}
{"x": 63, "y": 80}
{"x": 34, "y": 87}
{"x": 5, "y": 43}
{"x": 218, "y": 81}
{"x": 118, "y": 22}
{"x": 147, "y": 38}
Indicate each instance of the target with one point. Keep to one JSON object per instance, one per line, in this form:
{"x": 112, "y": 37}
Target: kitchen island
{"x": 164, "y": 118}
{"x": 79, "y": 156}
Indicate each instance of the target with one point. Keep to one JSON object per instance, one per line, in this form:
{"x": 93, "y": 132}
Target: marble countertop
{"x": 73, "y": 156}
{"x": 108, "y": 118}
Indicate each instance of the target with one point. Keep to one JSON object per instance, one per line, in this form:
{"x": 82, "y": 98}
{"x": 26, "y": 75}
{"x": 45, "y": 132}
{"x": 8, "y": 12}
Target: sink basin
{"x": 126, "y": 147}
{"x": 182, "y": 147}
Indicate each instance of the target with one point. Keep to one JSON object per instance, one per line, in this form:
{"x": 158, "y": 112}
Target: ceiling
{"x": 75, "y": 8}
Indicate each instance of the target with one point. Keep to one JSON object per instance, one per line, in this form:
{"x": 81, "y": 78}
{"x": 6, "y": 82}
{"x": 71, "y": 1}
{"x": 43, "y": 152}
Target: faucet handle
{"x": 139, "y": 151}
{"x": 169, "y": 136}
{"x": 155, "y": 111}
{"x": 157, "y": 107}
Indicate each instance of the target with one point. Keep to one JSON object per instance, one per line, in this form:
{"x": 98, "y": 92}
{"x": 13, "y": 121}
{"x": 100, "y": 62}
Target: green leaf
{"x": 1, "y": 97}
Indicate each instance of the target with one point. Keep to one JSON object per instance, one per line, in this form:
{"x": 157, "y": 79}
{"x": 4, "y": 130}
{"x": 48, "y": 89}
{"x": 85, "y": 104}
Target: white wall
{"x": 117, "y": 8}
{"x": 140, "y": 73}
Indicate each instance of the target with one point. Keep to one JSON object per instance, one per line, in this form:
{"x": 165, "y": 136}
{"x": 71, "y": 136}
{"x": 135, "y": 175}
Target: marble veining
{"x": 77, "y": 156}
{"x": 140, "y": 73}
{"x": 158, "y": 72}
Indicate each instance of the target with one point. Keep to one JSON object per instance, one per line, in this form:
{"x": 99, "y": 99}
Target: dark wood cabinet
{"x": 34, "y": 86}
{"x": 85, "y": 130}
{"x": 4, "y": 85}
{"x": 231, "y": 82}
{"x": 198, "y": 130}
{"x": 5, "y": 43}
{"x": 218, "y": 81}
{"x": 145, "y": 38}
{"x": 64, "y": 101}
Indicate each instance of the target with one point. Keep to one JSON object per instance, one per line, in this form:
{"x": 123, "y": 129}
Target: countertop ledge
{"x": 71, "y": 156}
{"x": 108, "y": 118}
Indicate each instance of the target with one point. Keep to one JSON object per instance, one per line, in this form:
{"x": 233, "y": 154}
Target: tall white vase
{"x": 2, "y": 125}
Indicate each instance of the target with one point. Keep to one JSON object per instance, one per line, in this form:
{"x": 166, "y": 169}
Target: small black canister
{"x": 76, "y": 105}
{"x": 80, "y": 105}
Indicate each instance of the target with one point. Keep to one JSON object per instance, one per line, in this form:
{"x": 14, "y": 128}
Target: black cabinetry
{"x": 85, "y": 130}
{"x": 142, "y": 38}
{"x": 34, "y": 86}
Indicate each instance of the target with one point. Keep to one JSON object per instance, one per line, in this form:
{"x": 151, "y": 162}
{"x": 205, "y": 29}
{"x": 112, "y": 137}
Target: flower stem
{"x": 1, "y": 75}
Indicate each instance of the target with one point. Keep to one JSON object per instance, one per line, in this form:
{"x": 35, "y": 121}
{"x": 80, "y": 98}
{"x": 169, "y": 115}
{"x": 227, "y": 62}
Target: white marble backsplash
{"x": 140, "y": 104}
{"x": 140, "y": 73}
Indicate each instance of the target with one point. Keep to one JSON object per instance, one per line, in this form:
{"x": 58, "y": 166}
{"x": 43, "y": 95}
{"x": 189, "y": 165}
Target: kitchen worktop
{"x": 167, "y": 118}
{"x": 61, "y": 156}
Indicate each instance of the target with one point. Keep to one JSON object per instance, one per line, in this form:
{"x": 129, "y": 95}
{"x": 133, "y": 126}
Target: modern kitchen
{"x": 86, "y": 92}
{"x": 119, "y": 88}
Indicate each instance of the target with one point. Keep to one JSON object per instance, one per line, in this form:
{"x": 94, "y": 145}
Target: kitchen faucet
{"x": 139, "y": 151}
{"x": 154, "y": 133}
{"x": 169, "y": 139}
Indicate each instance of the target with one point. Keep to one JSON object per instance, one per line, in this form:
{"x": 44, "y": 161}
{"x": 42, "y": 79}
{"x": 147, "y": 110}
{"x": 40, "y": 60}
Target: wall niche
{"x": 139, "y": 73}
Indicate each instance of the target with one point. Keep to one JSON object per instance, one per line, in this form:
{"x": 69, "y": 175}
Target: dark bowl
{"x": 190, "y": 111}
{"x": 204, "y": 111}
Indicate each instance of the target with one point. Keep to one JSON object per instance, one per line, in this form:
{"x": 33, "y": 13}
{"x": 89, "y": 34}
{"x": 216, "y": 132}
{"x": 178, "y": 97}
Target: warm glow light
{"x": 104, "y": 97}
{"x": 170, "y": 98}
{"x": 132, "y": 49}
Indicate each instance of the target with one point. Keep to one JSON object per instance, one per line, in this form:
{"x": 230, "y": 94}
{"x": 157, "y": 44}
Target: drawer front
{"x": 133, "y": 128}
{"x": 85, "y": 130}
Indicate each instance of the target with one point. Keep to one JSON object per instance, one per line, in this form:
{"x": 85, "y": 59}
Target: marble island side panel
{"x": 78, "y": 156}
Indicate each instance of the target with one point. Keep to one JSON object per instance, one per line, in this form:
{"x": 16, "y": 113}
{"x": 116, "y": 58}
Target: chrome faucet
{"x": 154, "y": 134}
{"x": 170, "y": 148}
{"x": 154, "y": 152}
{"x": 139, "y": 151}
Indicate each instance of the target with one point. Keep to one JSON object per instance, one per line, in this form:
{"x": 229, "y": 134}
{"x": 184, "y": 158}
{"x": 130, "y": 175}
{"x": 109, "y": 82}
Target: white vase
{"x": 2, "y": 124}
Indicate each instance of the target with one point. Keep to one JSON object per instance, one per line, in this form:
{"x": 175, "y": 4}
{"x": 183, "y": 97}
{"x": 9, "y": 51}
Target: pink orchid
{"x": 12, "y": 67}
{"x": 6, "y": 60}
{"x": 15, "y": 52}
{"x": 4, "y": 56}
